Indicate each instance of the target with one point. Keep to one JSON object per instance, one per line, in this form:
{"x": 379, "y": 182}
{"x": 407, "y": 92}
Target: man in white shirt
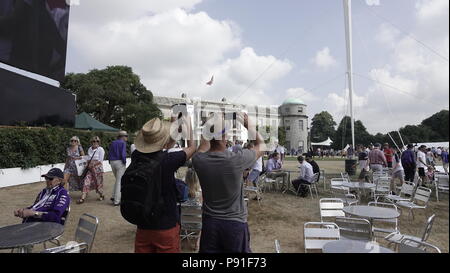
{"x": 256, "y": 169}
{"x": 422, "y": 162}
{"x": 306, "y": 173}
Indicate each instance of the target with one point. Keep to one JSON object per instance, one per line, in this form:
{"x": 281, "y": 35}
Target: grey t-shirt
{"x": 220, "y": 175}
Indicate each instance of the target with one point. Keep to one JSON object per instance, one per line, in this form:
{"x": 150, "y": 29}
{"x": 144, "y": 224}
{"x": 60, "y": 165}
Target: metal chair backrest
{"x": 354, "y": 228}
{"x": 442, "y": 181}
{"x": 191, "y": 217}
{"x": 336, "y": 183}
{"x": 410, "y": 245}
{"x": 315, "y": 178}
{"x": 393, "y": 221}
{"x": 68, "y": 248}
{"x": 382, "y": 184}
{"x": 317, "y": 234}
{"x": 331, "y": 207}
{"x": 407, "y": 189}
{"x": 65, "y": 216}
{"x": 86, "y": 230}
{"x": 428, "y": 227}
{"x": 422, "y": 195}
{"x": 277, "y": 246}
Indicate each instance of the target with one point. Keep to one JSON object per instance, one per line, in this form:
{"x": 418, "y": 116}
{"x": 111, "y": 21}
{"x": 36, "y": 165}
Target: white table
{"x": 371, "y": 213}
{"x": 354, "y": 246}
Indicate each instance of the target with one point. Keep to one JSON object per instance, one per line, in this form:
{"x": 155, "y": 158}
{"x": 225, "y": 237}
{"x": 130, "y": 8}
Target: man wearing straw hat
{"x": 163, "y": 235}
{"x": 224, "y": 221}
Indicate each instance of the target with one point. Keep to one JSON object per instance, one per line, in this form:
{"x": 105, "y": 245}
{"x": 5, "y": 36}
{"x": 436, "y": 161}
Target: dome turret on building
{"x": 293, "y": 101}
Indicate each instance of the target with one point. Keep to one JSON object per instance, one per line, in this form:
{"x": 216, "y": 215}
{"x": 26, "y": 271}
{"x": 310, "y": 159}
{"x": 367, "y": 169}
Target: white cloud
{"x": 373, "y": 2}
{"x": 324, "y": 59}
{"x": 177, "y": 51}
{"x": 387, "y": 35}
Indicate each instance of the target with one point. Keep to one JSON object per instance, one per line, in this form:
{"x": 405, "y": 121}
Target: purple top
{"x": 118, "y": 151}
{"x": 53, "y": 202}
{"x": 408, "y": 158}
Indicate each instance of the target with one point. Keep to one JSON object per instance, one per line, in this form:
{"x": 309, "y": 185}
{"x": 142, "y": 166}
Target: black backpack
{"x": 141, "y": 201}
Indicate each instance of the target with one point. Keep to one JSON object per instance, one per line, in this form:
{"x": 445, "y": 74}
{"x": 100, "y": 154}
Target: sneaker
{"x": 257, "y": 198}
{"x": 116, "y": 204}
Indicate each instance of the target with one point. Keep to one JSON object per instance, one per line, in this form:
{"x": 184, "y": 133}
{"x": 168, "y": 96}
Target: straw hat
{"x": 153, "y": 136}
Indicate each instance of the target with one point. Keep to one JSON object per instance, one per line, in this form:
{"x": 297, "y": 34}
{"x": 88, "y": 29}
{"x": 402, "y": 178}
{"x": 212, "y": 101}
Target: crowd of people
{"x": 217, "y": 173}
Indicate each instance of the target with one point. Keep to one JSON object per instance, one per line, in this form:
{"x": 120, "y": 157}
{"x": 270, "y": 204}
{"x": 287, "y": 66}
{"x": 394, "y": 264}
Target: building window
{"x": 300, "y": 109}
{"x": 288, "y": 128}
{"x": 287, "y": 121}
{"x": 287, "y": 110}
{"x": 301, "y": 124}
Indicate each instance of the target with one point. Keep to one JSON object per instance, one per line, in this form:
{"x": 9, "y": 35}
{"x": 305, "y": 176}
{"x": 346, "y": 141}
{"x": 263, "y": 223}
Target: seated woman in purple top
{"x": 50, "y": 204}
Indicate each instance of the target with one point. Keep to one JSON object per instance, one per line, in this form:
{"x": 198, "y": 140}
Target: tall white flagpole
{"x": 348, "y": 38}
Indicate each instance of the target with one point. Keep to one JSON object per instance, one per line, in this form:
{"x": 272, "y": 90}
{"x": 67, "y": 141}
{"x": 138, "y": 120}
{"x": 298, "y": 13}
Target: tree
{"x": 438, "y": 123}
{"x": 322, "y": 127}
{"x": 114, "y": 96}
{"x": 343, "y": 134}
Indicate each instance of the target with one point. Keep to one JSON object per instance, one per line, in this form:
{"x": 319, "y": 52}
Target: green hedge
{"x": 30, "y": 147}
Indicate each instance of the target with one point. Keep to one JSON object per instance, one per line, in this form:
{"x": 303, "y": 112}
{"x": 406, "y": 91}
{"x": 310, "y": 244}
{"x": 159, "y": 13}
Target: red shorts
{"x": 157, "y": 241}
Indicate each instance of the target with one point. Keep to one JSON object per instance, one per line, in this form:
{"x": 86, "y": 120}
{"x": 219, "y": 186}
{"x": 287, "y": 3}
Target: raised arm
{"x": 190, "y": 149}
{"x": 250, "y": 126}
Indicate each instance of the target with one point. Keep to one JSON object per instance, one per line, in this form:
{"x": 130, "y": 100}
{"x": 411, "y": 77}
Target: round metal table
{"x": 370, "y": 212}
{"x": 353, "y": 246}
{"x": 28, "y": 234}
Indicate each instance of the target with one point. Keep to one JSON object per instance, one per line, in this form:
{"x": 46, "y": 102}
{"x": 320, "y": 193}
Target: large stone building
{"x": 291, "y": 114}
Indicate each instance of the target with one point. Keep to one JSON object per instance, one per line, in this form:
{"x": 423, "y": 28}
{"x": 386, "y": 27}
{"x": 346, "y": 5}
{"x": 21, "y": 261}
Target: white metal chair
{"x": 419, "y": 201}
{"x": 345, "y": 176}
{"x": 406, "y": 193}
{"x": 317, "y": 234}
{"x": 86, "y": 230}
{"x": 341, "y": 192}
{"x": 256, "y": 190}
{"x": 266, "y": 182}
{"x": 397, "y": 237}
{"x": 311, "y": 186}
{"x": 382, "y": 188}
{"x": 277, "y": 246}
{"x": 331, "y": 208}
{"x": 354, "y": 228}
{"x": 191, "y": 221}
{"x": 441, "y": 184}
{"x": 376, "y": 175}
{"x": 68, "y": 248}
{"x": 384, "y": 225}
{"x": 415, "y": 246}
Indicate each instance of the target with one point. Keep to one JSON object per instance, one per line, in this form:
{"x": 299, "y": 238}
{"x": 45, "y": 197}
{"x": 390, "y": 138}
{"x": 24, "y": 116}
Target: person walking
{"x": 94, "y": 176}
{"x": 422, "y": 165}
{"x": 388, "y": 153}
{"x": 224, "y": 220}
{"x": 73, "y": 152}
{"x": 118, "y": 161}
{"x": 408, "y": 160}
{"x": 163, "y": 234}
{"x": 444, "y": 156}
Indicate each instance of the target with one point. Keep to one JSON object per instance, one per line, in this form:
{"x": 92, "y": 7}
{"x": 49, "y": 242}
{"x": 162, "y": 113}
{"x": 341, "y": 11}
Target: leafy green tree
{"x": 114, "y": 96}
{"x": 438, "y": 123}
{"x": 343, "y": 134}
{"x": 322, "y": 127}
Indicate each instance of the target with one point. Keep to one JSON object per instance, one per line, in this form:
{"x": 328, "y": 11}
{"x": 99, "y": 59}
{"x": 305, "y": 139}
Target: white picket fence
{"x": 17, "y": 176}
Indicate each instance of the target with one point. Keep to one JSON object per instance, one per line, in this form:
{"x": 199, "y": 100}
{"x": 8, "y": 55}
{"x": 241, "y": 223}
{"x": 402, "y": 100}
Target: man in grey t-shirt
{"x": 220, "y": 171}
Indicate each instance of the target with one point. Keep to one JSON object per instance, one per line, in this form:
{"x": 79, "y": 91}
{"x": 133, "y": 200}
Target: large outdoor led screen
{"x": 33, "y": 35}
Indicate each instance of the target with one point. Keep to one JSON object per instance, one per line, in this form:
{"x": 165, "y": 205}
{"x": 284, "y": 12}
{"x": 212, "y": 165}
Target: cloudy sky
{"x": 264, "y": 51}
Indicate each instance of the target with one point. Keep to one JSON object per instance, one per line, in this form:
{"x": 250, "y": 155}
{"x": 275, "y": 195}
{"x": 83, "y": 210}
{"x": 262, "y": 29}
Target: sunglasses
{"x": 49, "y": 178}
{"x": 95, "y": 141}
{"x": 73, "y": 140}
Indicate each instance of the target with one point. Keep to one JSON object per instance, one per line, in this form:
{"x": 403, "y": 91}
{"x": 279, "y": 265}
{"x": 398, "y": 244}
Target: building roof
{"x": 293, "y": 101}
